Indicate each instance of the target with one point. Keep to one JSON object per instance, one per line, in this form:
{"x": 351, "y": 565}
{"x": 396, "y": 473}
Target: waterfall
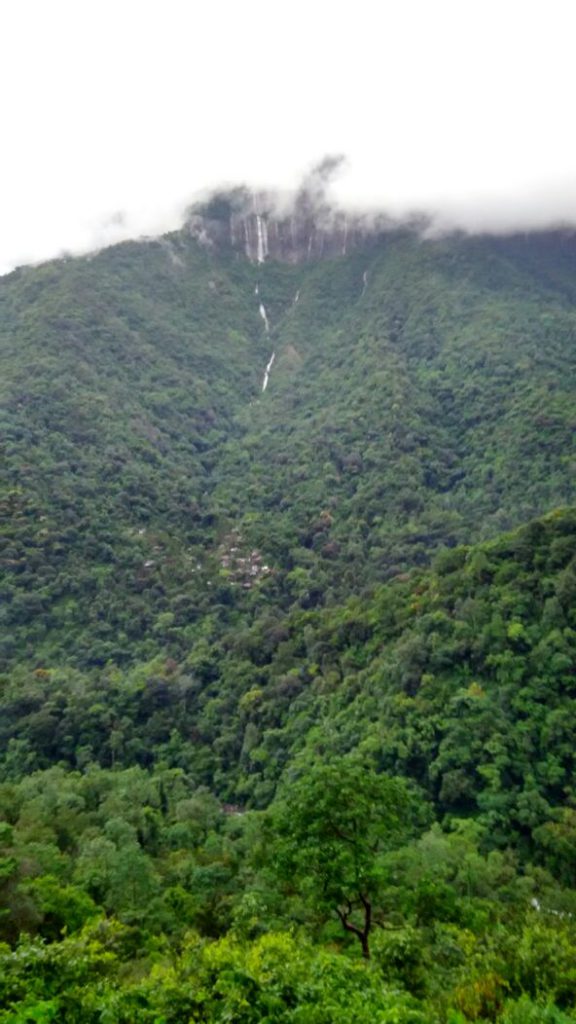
{"x": 262, "y": 234}
{"x": 264, "y": 315}
{"x": 269, "y": 365}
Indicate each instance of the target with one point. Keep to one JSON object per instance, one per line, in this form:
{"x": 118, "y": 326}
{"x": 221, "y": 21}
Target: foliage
{"x": 431, "y": 408}
{"x": 329, "y": 832}
{"x": 287, "y": 721}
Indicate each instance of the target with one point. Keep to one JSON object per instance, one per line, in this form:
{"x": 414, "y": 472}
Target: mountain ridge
{"x": 288, "y": 641}
{"x": 412, "y": 403}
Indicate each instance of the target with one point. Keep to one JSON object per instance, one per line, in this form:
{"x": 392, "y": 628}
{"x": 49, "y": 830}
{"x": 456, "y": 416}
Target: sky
{"x": 116, "y": 115}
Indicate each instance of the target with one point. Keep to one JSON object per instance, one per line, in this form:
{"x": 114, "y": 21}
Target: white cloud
{"x": 458, "y": 106}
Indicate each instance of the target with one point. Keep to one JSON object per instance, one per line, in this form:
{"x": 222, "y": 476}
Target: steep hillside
{"x": 432, "y": 402}
{"x": 286, "y": 720}
{"x": 122, "y": 376}
{"x": 417, "y": 750}
{"x": 421, "y": 394}
{"x": 461, "y": 678}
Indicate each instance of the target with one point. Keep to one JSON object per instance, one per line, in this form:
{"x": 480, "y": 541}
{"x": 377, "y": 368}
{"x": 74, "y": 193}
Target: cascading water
{"x": 269, "y": 365}
{"x": 264, "y": 315}
{"x": 262, "y": 239}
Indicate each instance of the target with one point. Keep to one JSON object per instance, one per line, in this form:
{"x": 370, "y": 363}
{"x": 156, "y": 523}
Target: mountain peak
{"x": 266, "y": 225}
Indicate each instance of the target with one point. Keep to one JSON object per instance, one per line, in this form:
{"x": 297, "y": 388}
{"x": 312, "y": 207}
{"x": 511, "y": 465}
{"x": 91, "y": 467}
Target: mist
{"x": 117, "y": 117}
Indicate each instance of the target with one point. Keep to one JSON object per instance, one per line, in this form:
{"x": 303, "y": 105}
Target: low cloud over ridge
{"x": 462, "y": 111}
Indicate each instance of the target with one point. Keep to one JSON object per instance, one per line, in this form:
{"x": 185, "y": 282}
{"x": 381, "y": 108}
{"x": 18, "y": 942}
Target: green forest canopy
{"x": 287, "y": 718}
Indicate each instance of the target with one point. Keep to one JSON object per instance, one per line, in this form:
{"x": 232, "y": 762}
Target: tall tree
{"x": 330, "y": 828}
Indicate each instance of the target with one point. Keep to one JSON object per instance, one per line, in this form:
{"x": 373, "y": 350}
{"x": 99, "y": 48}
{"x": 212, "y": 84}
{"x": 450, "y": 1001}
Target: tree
{"x": 330, "y": 828}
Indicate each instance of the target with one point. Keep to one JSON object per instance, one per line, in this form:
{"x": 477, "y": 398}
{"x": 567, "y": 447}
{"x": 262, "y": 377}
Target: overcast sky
{"x": 116, "y": 112}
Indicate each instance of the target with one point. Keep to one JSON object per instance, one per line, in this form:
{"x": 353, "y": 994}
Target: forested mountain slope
{"x": 288, "y": 629}
{"x": 460, "y": 677}
{"x": 422, "y": 393}
{"x": 422, "y": 746}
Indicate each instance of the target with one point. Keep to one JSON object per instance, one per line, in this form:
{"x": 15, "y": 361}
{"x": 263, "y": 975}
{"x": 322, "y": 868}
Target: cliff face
{"x": 262, "y": 227}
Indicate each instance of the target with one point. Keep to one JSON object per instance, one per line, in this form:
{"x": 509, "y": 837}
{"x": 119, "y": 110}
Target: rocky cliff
{"x": 264, "y": 225}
